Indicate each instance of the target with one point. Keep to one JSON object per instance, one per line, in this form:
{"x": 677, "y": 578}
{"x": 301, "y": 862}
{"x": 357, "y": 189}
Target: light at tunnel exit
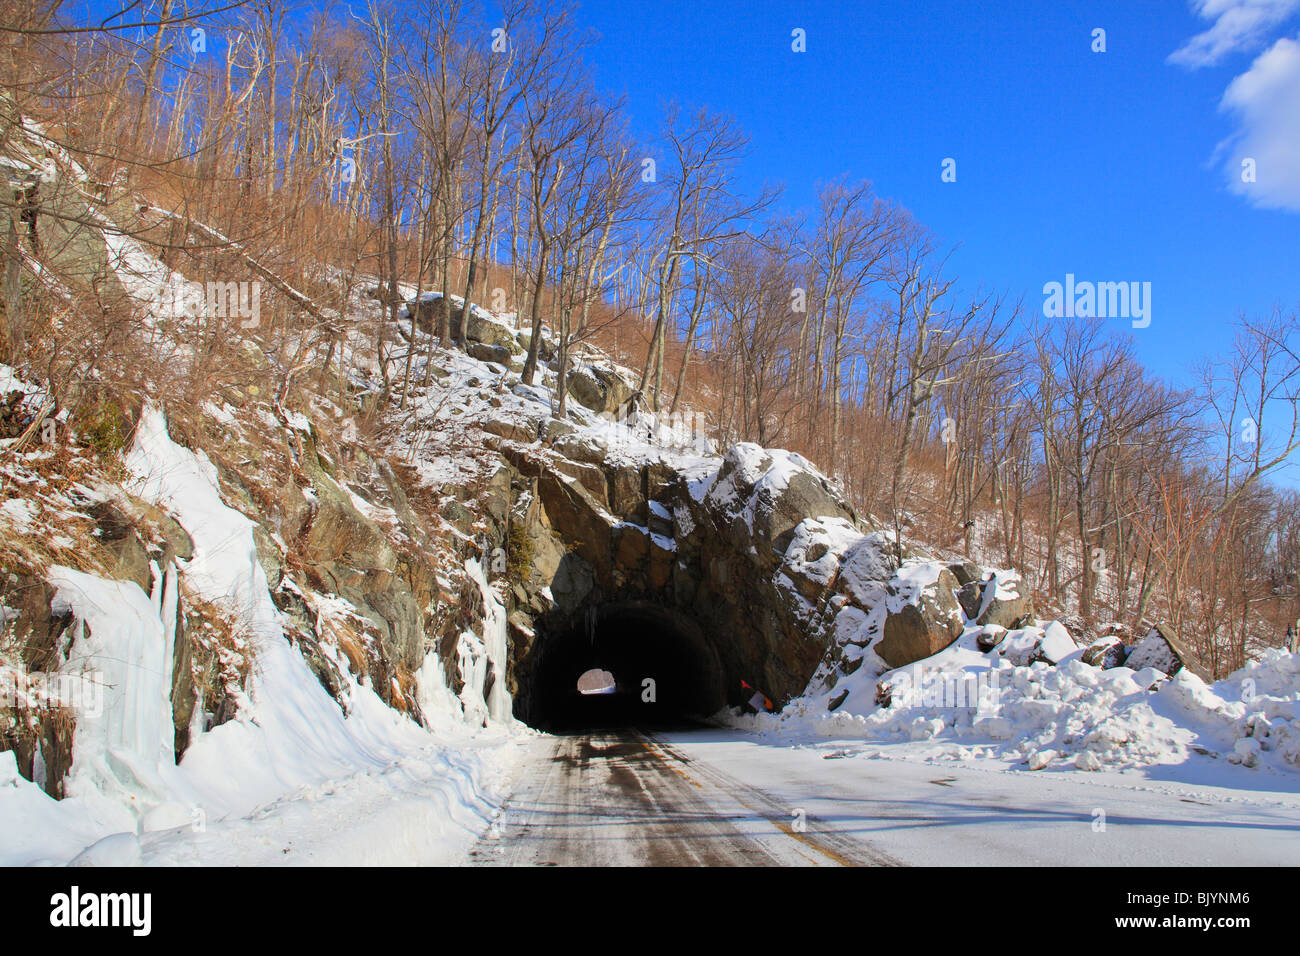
{"x": 597, "y": 681}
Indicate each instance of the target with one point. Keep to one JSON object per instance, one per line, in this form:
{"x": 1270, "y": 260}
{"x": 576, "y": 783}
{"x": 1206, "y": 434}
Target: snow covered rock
{"x": 763, "y": 494}
{"x": 1006, "y": 601}
{"x": 925, "y": 622}
{"x": 485, "y": 352}
{"x": 1039, "y": 759}
{"x": 599, "y": 388}
{"x": 431, "y": 309}
{"x": 1105, "y": 652}
{"x": 1163, "y": 651}
{"x": 1057, "y": 644}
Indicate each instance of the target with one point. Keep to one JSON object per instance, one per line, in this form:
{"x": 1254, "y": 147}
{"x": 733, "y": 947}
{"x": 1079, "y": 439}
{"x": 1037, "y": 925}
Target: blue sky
{"x": 1104, "y": 165}
{"x": 1099, "y": 164}
{"x": 1113, "y": 166}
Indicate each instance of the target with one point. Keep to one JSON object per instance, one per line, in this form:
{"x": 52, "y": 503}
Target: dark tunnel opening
{"x": 665, "y": 671}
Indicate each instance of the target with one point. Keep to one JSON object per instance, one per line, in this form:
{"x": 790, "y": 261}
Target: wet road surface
{"x": 627, "y": 798}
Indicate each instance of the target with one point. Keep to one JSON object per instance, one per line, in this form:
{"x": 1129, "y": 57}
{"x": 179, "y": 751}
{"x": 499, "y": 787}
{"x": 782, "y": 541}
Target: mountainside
{"x": 301, "y": 606}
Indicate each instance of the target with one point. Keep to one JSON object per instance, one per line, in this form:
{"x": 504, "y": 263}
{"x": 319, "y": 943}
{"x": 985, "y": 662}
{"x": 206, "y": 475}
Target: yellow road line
{"x": 808, "y": 841}
{"x": 780, "y": 825}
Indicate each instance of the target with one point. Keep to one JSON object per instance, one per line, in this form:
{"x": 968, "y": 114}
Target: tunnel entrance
{"x": 665, "y": 671}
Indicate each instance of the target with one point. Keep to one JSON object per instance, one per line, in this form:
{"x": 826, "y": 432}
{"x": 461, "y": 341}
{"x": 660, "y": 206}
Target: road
{"x": 723, "y": 798}
{"x": 625, "y": 798}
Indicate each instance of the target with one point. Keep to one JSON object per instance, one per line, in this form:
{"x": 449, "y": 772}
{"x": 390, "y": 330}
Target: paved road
{"x": 718, "y": 797}
{"x": 623, "y": 798}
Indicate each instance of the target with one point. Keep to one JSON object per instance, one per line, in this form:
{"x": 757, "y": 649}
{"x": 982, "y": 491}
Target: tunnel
{"x": 665, "y": 671}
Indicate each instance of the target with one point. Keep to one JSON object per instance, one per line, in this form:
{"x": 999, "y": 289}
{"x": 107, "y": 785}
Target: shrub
{"x": 105, "y": 429}
{"x": 519, "y": 551}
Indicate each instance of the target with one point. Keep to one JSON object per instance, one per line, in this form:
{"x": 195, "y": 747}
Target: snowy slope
{"x": 369, "y": 786}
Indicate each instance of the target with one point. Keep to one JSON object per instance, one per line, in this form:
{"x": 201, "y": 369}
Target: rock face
{"x": 42, "y": 637}
{"x": 753, "y": 554}
{"x": 756, "y": 549}
{"x": 608, "y": 531}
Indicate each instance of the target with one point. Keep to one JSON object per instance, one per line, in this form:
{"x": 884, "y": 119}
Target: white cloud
{"x": 1239, "y": 26}
{"x": 1265, "y": 101}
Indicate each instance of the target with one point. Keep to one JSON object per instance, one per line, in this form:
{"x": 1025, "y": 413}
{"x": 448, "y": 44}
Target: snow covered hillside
{"x": 293, "y": 621}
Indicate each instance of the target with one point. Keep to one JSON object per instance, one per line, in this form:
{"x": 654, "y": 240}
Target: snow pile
{"x": 1251, "y": 718}
{"x": 970, "y": 703}
{"x": 1021, "y": 695}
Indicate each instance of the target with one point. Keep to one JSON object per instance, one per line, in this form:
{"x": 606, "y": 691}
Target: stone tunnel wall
{"x": 706, "y": 540}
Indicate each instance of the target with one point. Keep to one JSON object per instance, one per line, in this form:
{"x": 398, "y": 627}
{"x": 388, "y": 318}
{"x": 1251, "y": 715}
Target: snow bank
{"x": 1022, "y": 696}
{"x": 964, "y": 702}
{"x": 396, "y": 792}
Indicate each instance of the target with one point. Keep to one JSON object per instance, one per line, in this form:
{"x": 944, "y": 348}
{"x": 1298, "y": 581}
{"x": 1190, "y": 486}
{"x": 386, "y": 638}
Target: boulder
{"x": 510, "y": 429}
{"x": 428, "y": 312}
{"x": 1105, "y": 652}
{"x": 867, "y": 567}
{"x": 487, "y": 331}
{"x": 805, "y": 495}
{"x": 1057, "y": 643}
{"x": 430, "y": 309}
{"x": 579, "y": 448}
{"x": 600, "y": 389}
{"x": 557, "y": 428}
{"x": 1163, "y": 651}
{"x": 1006, "y": 602}
{"x": 545, "y": 347}
{"x": 966, "y": 572}
{"x": 485, "y": 352}
{"x": 761, "y": 499}
{"x": 971, "y": 598}
{"x": 918, "y": 630}
{"x": 990, "y": 637}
